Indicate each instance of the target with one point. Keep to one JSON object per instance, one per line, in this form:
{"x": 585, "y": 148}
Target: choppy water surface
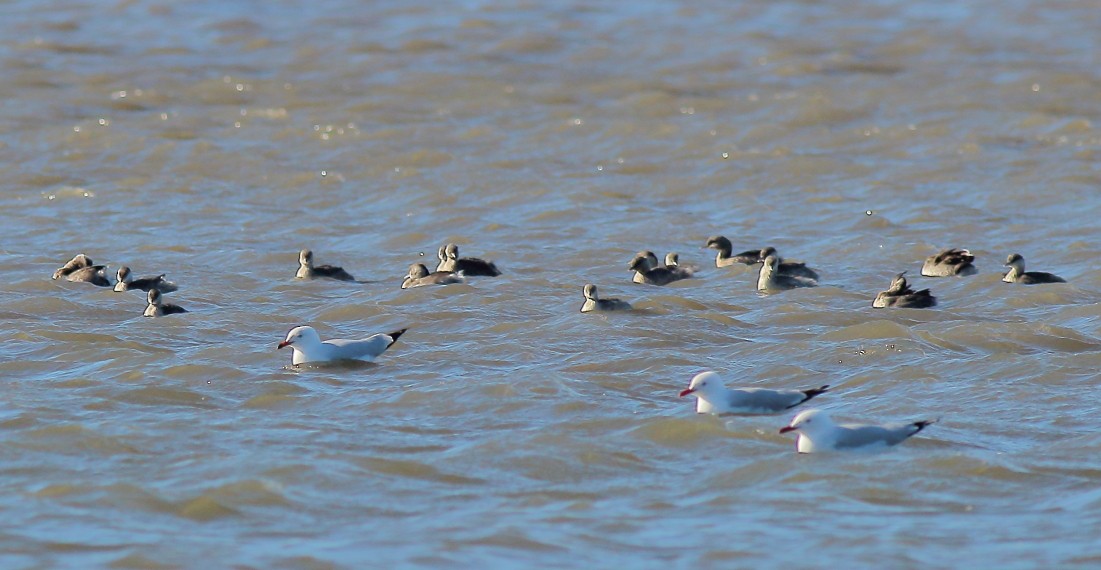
{"x": 213, "y": 140}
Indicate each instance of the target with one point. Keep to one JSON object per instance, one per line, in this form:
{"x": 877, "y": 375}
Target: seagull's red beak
{"x": 283, "y": 344}
{"x": 686, "y": 392}
{"x": 786, "y": 429}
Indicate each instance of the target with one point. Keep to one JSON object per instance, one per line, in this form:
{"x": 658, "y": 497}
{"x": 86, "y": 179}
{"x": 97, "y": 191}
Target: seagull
{"x": 77, "y": 262}
{"x": 595, "y": 303}
{"x": 158, "y": 308}
{"x": 817, "y": 432}
{"x": 128, "y": 283}
{"x": 772, "y": 280}
{"x": 307, "y": 270}
{"x": 308, "y": 347}
{"x": 419, "y": 277}
{"x": 899, "y": 294}
{"x": 712, "y": 397}
{"x": 469, "y": 266}
{"x": 948, "y": 263}
{"x": 725, "y": 256}
{"x": 656, "y": 275}
{"x": 1017, "y": 273}
{"x": 650, "y": 261}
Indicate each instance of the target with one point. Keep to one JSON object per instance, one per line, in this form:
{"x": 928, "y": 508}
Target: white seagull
{"x": 817, "y": 432}
{"x": 712, "y": 397}
{"x": 308, "y": 346}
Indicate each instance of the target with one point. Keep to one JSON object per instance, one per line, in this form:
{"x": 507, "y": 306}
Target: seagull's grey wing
{"x": 369, "y": 347}
{"x": 891, "y": 434}
{"x": 765, "y": 400}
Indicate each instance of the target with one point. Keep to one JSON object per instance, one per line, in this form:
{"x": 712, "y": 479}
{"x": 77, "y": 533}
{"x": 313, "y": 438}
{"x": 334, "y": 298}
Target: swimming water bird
{"x": 126, "y": 282}
{"x": 792, "y": 268}
{"x": 948, "y": 263}
{"x": 1017, "y": 273}
{"x": 771, "y": 280}
{"x": 77, "y": 262}
{"x": 442, "y": 255}
{"x": 595, "y": 303}
{"x": 899, "y": 294}
{"x": 158, "y": 308}
{"x": 818, "y": 432}
{"x": 308, "y": 346}
{"x": 656, "y": 275}
{"x": 650, "y": 262}
{"x": 419, "y": 277}
{"x": 725, "y": 257}
{"x": 307, "y": 270}
{"x": 712, "y": 397}
{"x": 469, "y": 266}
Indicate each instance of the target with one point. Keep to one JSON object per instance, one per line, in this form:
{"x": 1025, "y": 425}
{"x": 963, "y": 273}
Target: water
{"x": 213, "y": 140}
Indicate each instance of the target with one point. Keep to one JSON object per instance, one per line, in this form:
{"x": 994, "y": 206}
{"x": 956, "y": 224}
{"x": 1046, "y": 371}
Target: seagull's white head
{"x": 301, "y": 337}
{"x": 809, "y": 422}
{"x": 702, "y": 384}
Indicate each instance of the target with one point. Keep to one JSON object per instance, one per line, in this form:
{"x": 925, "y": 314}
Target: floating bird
{"x": 595, "y": 303}
{"x": 712, "y": 397}
{"x": 771, "y": 280}
{"x": 948, "y": 263}
{"x": 469, "y": 266}
{"x": 158, "y": 308}
{"x": 127, "y": 283}
{"x": 307, "y": 270}
{"x": 750, "y": 257}
{"x": 308, "y": 346}
{"x": 656, "y": 275}
{"x": 1017, "y": 273}
{"x": 77, "y": 262}
{"x": 651, "y": 261}
{"x": 817, "y": 432}
{"x": 792, "y": 268}
{"x": 725, "y": 256}
{"x": 442, "y": 255}
{"x": 419, "y": 277}
{"x": 81, "y": 269}
{"x": 899, "y": 294}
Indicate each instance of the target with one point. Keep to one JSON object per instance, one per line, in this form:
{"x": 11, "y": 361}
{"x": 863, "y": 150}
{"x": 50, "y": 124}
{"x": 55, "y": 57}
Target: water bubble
{"x": 868, "y": 212}
{"x": 236, "y": 124}
{"x": 1035, "y": 87}
{"x": 726, "y": 155}
{"x": 324, "y": 173}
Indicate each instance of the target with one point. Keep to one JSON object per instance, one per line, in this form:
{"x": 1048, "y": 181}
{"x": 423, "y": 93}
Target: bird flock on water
{"x": 816, "y": 431}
